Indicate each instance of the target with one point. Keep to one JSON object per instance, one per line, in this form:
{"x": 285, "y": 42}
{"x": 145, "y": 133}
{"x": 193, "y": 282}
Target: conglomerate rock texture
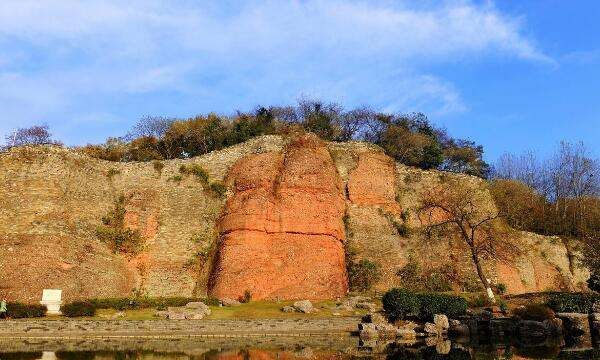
{"x": 293, "y": 207}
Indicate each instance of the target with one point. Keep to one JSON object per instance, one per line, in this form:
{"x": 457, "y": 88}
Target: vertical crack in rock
{"x": 282, "y": 232}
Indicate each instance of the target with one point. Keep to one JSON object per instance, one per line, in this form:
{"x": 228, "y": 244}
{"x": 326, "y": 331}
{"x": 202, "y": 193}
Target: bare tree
{"x": 465, "y": 217}
{"x": 526, "y": 168}
{"x": 34, "y": 135}
{"x": 150, "y": 126}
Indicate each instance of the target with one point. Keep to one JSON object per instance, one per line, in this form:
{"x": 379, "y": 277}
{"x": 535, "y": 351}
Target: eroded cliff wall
{"x": 282, "y": 231}
{"x": 293, "y": 207}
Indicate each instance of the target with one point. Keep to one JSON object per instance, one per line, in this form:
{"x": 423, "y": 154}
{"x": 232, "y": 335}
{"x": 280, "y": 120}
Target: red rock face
{"x": 372, "y": 182}
{"x": 282, "y": 231}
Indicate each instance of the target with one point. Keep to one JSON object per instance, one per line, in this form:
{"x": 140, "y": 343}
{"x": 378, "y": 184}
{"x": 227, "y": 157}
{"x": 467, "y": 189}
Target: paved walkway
{"x": 76, "y": 328}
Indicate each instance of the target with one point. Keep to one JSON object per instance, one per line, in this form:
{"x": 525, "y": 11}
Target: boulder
{"x": 406, "y": 330}
{"x": 441, "y": 322}
{"x": 443, "y": 347}
{"x": 406, "y": 334}
{"x": 191, "y": 311}
{"x": 367, "y": 331}
{"x": 377, "y": 331}
{"x": 304, "y": 306}
{"x": 230, "y": 302}
{"x": 197, "y": 305}
{"x": 575, "y": 324}
{"x": 175, "y": 314}
{"x": 431, "y": 329}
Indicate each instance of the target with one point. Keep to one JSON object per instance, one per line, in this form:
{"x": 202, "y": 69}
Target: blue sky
{"x": 511, "y": 75}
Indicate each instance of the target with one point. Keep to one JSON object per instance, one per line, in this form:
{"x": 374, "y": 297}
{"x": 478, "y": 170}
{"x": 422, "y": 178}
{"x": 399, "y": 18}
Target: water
{"x": 280, "y": 348}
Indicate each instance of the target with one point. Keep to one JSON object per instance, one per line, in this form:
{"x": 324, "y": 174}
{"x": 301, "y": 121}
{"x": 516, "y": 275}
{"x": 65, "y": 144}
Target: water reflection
{"x": 343, "y": 348}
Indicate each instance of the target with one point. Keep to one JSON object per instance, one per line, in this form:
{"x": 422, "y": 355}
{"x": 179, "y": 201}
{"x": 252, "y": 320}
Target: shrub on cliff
{"x": 16, "y": 310}
{"x": 196, "y": 170}
{"x": 78, "y": 309}
{"x": 218, "y": 188}
{"x": 401, "y": 304}
{"x": 363, "y": 274}
{"x": 115, "y": 234}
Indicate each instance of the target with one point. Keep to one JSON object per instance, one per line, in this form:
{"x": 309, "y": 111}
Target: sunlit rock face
{"x": 282, "y": 231}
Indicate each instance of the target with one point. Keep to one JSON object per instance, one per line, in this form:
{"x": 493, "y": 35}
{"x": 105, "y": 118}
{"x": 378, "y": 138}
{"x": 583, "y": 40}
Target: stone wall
{"x": 119, "y": 328}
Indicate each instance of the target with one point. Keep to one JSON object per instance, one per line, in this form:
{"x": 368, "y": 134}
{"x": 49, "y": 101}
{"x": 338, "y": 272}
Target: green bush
{"x": 537, "y": 312}
{"x": 450, "y": 305}
{"x": 479, "y": 301}
{"x": 196, "y": 170}
{"x": 18, "y": 310}
{"x": 218, "y": 188}
{"x": 501, "y": 288}
{"x": 79, "y": 308}
{"x": 400, "y": 304}
{"x": 158, "y": 166}
{"x": 572, "y": 302}
{"x": 114, "y": 232}
{"x": 363, "y": 275}
{"x": 176, "y": 178}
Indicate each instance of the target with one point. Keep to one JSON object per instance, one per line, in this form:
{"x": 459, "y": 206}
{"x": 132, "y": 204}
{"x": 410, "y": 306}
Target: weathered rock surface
{"x": 281, "y": 234}
{"x": 441, "y": 323}
{"x": 431, "y": 329}
{"x": 373, "y": 181}
{"x": 282, "y": 231}
{"x": 304, "y": 306}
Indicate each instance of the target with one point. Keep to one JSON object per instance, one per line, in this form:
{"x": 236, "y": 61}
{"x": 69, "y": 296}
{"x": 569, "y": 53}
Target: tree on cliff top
{"x": 465, "y": 218}
{"x": 34, "y": 135}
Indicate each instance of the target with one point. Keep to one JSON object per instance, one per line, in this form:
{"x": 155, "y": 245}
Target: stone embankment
{"x": 581, "y": 330}
{"x": 75, "y": 328}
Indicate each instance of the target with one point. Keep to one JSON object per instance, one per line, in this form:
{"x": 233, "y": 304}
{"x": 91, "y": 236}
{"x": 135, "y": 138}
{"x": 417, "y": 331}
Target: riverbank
{"x": 82, "y": 328}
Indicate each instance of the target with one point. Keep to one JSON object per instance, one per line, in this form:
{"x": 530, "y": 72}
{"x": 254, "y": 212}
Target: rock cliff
{"x": 292, "y": 209}
{"x": 282, "y": 233}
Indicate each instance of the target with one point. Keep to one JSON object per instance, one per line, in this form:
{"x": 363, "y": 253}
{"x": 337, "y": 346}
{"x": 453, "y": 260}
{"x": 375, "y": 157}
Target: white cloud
{"x": 265, "y": 50}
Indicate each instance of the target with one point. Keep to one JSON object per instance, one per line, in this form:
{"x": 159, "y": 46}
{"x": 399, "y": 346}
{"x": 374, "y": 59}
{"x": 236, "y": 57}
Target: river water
{"x": 279, "y": 348}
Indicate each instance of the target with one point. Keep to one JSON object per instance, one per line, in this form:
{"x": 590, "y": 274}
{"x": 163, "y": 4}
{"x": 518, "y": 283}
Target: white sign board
{"x": 52, "y": 295}
{"x": 52, "y": 299}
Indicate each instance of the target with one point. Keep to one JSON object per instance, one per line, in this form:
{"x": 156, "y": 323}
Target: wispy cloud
{"x": 245, "y": 52}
